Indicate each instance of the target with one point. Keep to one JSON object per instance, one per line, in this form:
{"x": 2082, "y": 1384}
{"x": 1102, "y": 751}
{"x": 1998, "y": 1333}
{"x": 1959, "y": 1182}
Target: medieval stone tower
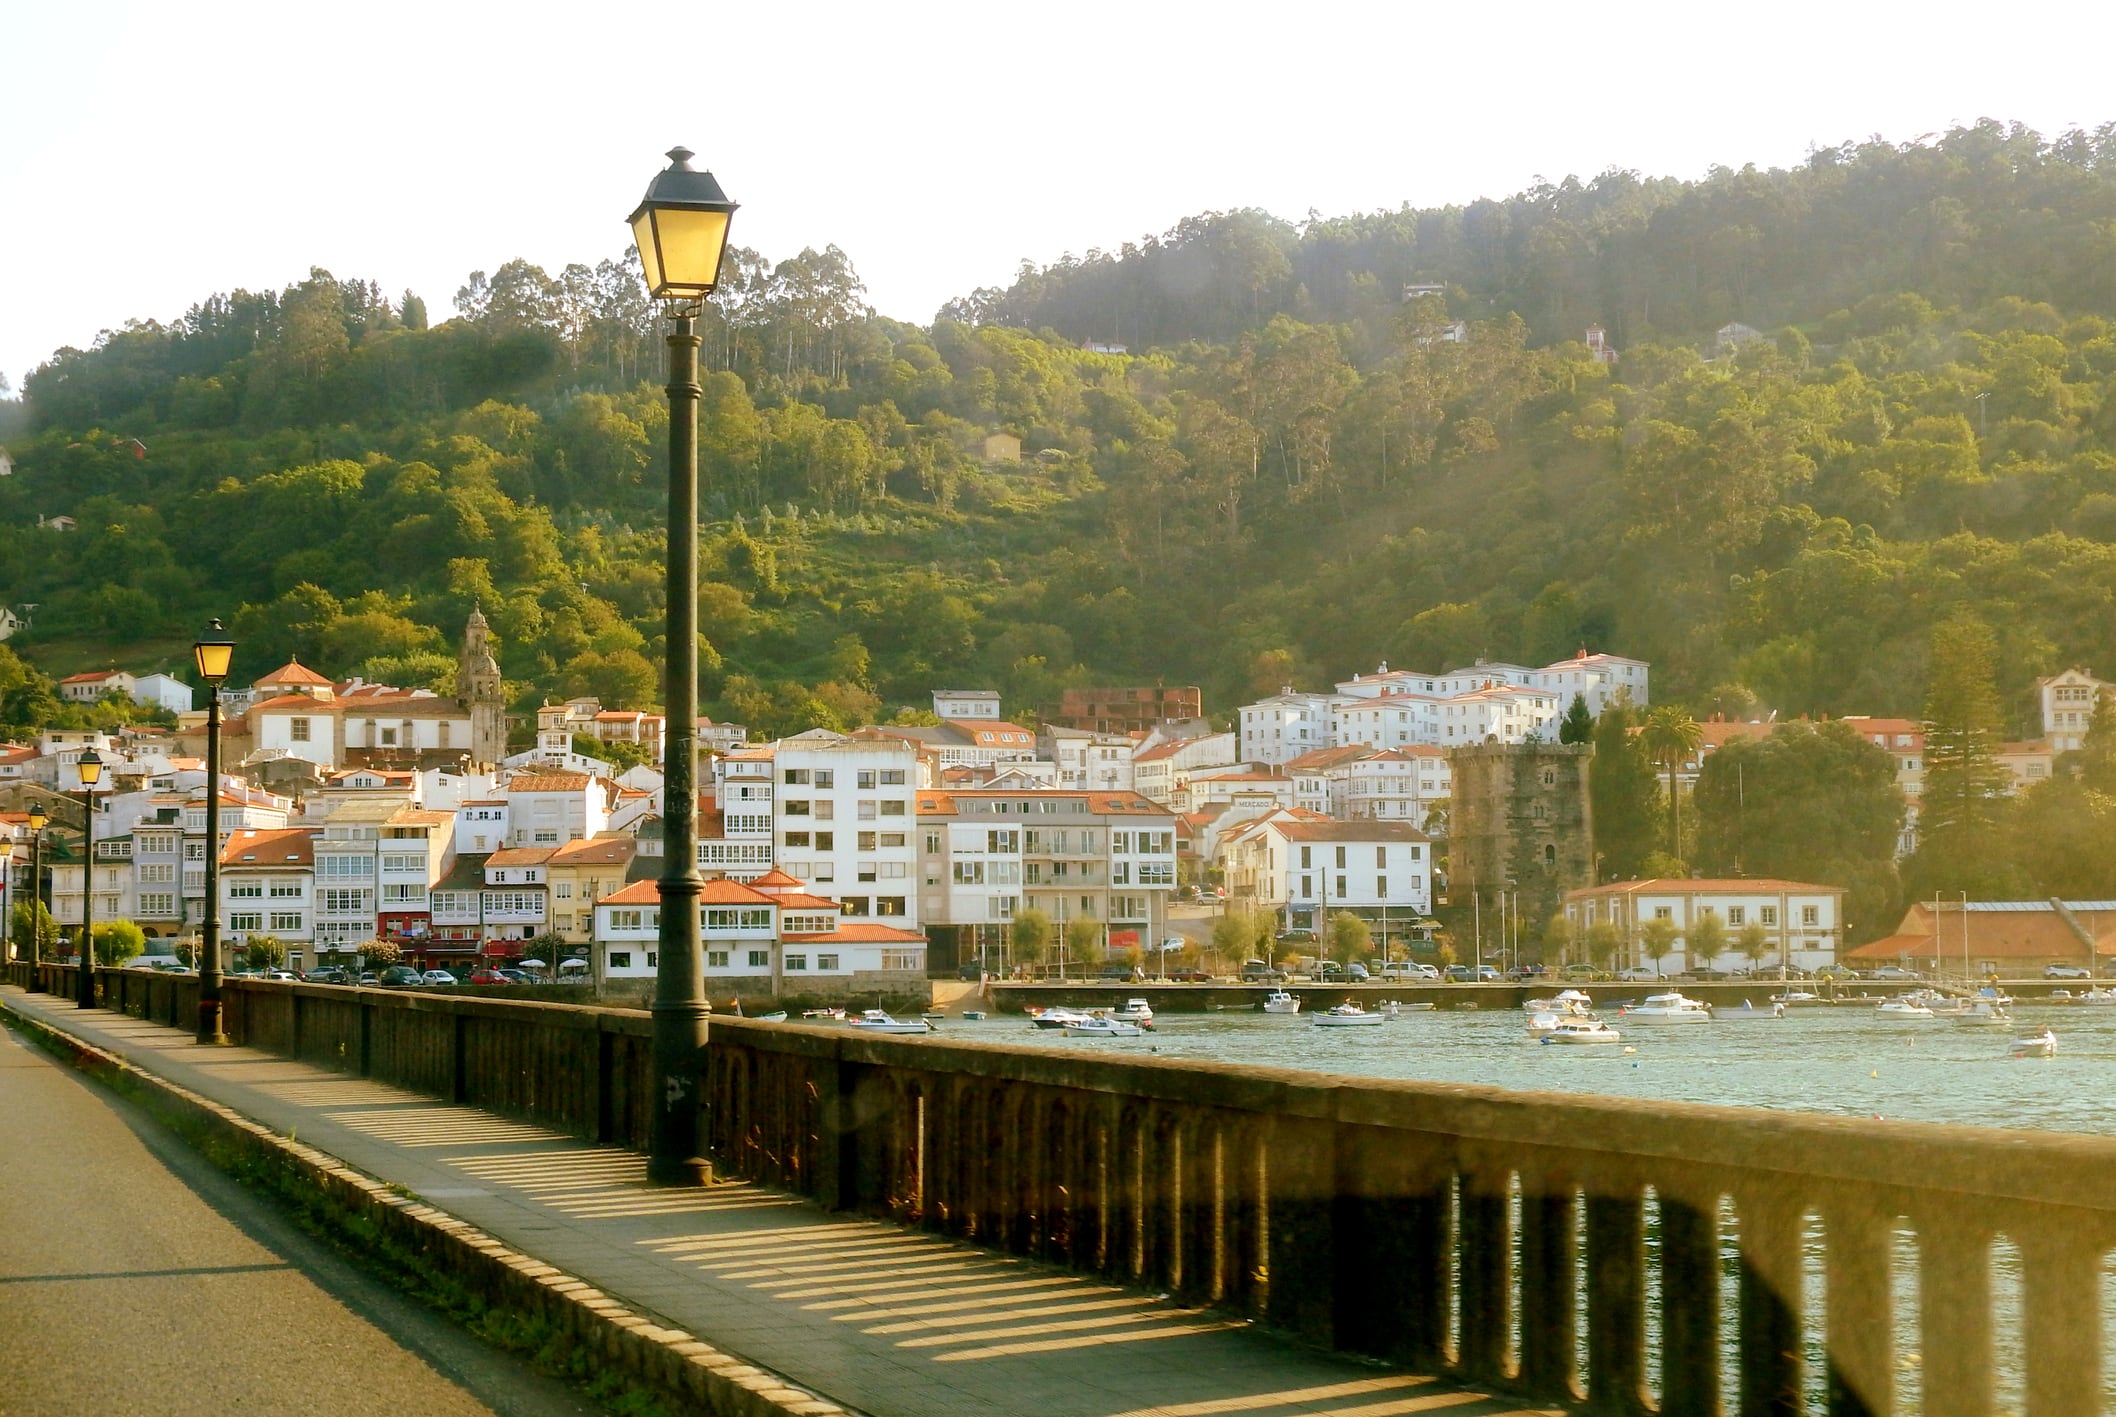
{"x": 1520, "y": 821}
{"x": 478, "y": 686}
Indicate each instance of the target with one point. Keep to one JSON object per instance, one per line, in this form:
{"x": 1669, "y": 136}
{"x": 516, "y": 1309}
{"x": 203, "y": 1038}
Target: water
{"x": 1839, "y": 1060}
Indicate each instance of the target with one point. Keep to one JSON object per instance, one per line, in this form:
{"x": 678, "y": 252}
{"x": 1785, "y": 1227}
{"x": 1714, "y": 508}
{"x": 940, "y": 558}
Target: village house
{"x": 1803, "y": 922}
{"x": 2012, "y": 939}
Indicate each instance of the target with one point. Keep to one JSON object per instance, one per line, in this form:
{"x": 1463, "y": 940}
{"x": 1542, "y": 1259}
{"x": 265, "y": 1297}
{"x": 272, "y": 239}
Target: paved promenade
{"x": 884, "y": 1320}
{"x": 134, "y": 1278}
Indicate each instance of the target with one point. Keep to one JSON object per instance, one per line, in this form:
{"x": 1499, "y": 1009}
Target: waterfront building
{"x": 1804, "y": 921}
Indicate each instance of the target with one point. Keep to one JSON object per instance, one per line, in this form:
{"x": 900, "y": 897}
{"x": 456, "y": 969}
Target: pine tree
{"x": 1964, "y": 796}
{"x": 1622, "y": 793}
{"x": 1578, "y": 724}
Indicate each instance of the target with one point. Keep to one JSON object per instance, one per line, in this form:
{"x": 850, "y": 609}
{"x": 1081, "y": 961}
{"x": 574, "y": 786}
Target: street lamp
{"x": 91, "y": 770}
{"x": 37, "y": 821}
{"x": 681, "y": 228}
{"x": 213, "y": 651}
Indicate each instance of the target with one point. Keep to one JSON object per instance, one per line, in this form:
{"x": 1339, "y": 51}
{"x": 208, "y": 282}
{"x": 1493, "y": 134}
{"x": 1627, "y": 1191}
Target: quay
{"x": 924, "y": 1225}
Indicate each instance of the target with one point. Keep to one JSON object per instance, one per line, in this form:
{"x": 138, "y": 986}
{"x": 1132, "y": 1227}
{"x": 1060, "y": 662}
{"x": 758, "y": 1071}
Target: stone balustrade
{"x": 1627, "y": 1256}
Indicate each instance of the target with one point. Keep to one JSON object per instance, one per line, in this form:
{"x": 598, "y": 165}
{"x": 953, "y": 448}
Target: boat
{"x": 974, "y": 1015}
{"x": 823, "y": 1013}
{"x": 1349, "y": 1015}
{"x": 1748, "y": 1011}
{"x": 1278, "y": 1001}
{"x": 877, "y": 1021}
{"x": 1569, "y": 1002}
{"x": 1055, "y": 1017}
{"x": 1102, "y": 1026}
{"x": 1982, "y": 1011}
{"x": 2096, "y": 995}
{"x": 1137, "y": 1011}
{"x": 2036, "y": 1045}
{"x": 1904, "y": 1010}
{"x": 1582, "y": 1030}
{"x": 1544, "y": 1022}
{"x": 778, "y": 1016}
{"x": 1669, "y": 1008}
{"x": 1797, "y": 999}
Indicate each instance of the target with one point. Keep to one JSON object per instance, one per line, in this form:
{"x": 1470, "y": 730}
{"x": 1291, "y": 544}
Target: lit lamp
{"x": 37, "y": 821}
{"x": 681, "y": 229}
{"x": 91, "y": 769}
{"x": 213, "y": 652}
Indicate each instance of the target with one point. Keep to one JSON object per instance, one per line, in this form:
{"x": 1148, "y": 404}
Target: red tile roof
{"x": 289, "y": 847}
{"x": 293, "y": 672}
{"x": 549, "y": 782}
{"x": 522, "y": 856}
{"x": 859, "y": 932}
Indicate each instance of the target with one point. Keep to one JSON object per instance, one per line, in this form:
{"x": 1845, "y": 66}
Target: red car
{"x": 488, "y": 976}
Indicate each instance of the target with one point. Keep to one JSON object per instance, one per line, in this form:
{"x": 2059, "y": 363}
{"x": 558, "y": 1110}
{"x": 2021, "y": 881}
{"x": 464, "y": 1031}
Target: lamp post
{"x": 681, "y": 231}
{"x": 37, "y": 819}
{"x": 213, "y": 652}
{"x": 91, "y": 770}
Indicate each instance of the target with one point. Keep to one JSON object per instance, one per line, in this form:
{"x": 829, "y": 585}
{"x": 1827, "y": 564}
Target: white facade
{"x": 833, "y": 811}
{"x": 1101, "y": 762}
{"x": 550, "y": 809}
{"x": 267, "y": 887}
{"x": 1380, "y": 871}
{"x": 1804, "y": 922}
{"x": 164, "y": 690}
{"x": 1286, "y": 725}
{"x": 966, "y": 703}
{"x": 1395, "y": 785}
{"x": 2068, "y": 701}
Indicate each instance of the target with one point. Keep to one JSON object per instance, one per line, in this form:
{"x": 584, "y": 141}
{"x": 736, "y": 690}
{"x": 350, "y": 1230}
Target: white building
{"x": 976, "y": 704}
{"x": 1803, "y": 923}
{"x": 1394, "y": 784}
{"x": 769, "y": 933}
{"x": 833, "y": 810}
{"x": 1101, "y": 762}
{"x": 164, "y": 690}
{"x": 551, "y": 808}
{"x": 1159, "y": 771}
{"x": 267, "y": 885}
{"x": 2068, "y": 701}
{"x": 1302, "y": 868}
{"x": 985, "y": 855}
{"x": 1286, "y": 725}
{"x": 89, "y": 687}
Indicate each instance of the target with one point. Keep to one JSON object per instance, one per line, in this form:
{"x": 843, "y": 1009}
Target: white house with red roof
{"x": 769, "y": 934}
{"x": 1308, "y": 870}
{"x": 552, "y": 808}
{"x": 1802, "y": 922}
{"x": 267, "y": 887}
{"x": 1158, "y": 770}
{"x": 93, "y": 685}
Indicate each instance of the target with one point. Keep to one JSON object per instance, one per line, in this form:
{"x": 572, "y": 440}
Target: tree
{"x": 1623, "y": 795}
{"x": 1707, "y": 937}
{"x": 379, "y": 953}
{"x": 2095, "y": 761}
{"x": 1349, "y": 937}
{"x": 1657, "y": 937}
{"x": 1578, "y": 724}
{"x": 1963, "y": 801}
{"x": 1754, "y": 942}
{"x": 1602, "y": 940}
{"x": 47, "y": 937}
{"x": 1083, "y": 940}
{"x": 1234, "y": 934}
{"x": 264, "y": 952}
{"x": 118, "y": 941}
{"x": 1669, "y": 737}
{"x": 1032, "y": 935}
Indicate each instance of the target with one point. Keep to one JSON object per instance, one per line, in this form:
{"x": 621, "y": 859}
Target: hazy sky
{"x": 156, "y": 153}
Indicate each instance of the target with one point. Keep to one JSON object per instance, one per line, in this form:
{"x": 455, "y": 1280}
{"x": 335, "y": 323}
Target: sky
{"x": 158, "y": 153}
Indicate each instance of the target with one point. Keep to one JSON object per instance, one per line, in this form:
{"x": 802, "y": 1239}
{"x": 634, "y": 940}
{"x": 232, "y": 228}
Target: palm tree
{"x": 1669, "y": 737}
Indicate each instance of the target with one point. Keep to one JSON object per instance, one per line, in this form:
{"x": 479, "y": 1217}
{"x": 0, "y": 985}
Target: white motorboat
{"x": 1544, "y": 1022}
{"x": 2036, "y": 1045}
{"x": 1748, "y": 1011}
{"x": 1278, "y": 1001}
{"x": 1136, "y": 1011}
{"x": 1348, "y": 1015}
{"x": 1055, "y": 1017}
{"x": 1904, "y": 1010}
{"x": 1102, "y": 1026}
{"x": 1669, "y": 1008}
{"x": 1568, "y": 1002}
{"x": 2096, "y": 995}
{"x": 877, "y": 1021}
{"x": 1796, "y": 999}
{"x": 832, "y": 1014}
{"x": 1984, "y": 1011}
{"x": 1582, "y": 1030}
{"x": 779, "y": 1016}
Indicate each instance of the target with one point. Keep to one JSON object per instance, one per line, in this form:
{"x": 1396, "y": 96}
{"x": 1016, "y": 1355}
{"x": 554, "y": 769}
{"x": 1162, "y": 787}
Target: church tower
{"x": 478, "y": 686}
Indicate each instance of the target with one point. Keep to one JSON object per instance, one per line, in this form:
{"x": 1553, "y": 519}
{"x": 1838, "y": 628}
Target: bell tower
{"x": 478, "y": 686}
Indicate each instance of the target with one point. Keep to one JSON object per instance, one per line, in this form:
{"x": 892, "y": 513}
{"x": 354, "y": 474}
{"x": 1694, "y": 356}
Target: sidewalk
{"x": 885, "y": 1320}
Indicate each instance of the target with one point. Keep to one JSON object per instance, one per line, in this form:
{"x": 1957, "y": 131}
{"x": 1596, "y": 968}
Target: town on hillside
{"x": 1402, "y": 816}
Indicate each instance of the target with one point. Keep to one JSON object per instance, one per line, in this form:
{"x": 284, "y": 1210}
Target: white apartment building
{"x": 833, "y": 810}
{"x": 985, "y": 855}
{"x": 976, "y": 704}
{"x": 768, "y": 932}
{"x": 1307, "y": 871}
{"x": 1286, "y": 725}
{"x": 1394, "y": 784}
{"x": 1311, "y": 776}
{"x": 2067, "y": 701}
{"x": 1086, "y": 761}
{"x": 376, "y": 866}
{"x": 267, "y": 887}
{"x": 1160, "y": 771}
{"x": 1803, "y": 922}
{"x": 551, "y": 808}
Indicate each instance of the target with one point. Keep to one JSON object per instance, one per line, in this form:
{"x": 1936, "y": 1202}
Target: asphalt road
{"x": 136, "y": 1279}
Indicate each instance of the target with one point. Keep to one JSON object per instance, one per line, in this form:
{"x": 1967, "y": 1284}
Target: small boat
{"x": 1055, "y": 1017}
{"x": 1903, "y": 1010}
{"x": 1582, "y": 1030}
{"x": 877, "y": 1021}
{"x": 2036, "y": 1045}
{"x": 2097, "y": 995}
{"x": 1136, "y": 1011}
{"x": 1417, "y": 1006}
{"x": 1544, "y": 1022}
{"x": 1749, "y": 1012}
{"x": 1569, "y": 1002}
{"x": 778, "y": 1016}
{"x": 1796, "y": 998}
{"x": 974, "y": 1015}
{"x": 1348, "y": 1015}
{"x": 1102, "y": 1026}
{"x": 1985, "y": 1011}
{"x": 823, "y": 1013}
{"x": 1278, "y": 1001}
{"x": 1669, "y": 1008}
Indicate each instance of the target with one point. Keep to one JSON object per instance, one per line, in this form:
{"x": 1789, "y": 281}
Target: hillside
{"x": 1295, "y": 472}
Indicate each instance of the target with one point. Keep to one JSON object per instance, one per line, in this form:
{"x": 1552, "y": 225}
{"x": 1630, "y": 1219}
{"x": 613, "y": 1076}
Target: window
{"x": 1550, "y": 856}
{"x": 892, "y": 839}
{"x": 545, "y": 837}
{"x": 389, "y": 738}
{"x": 246, "y": 920}
{"x": 285, "y": 920}
{"x": 1737, "y": 915}
{"x": 826, "y": 810}
{"x": 933, "y": 843}
{"x": 795, "y": 806}
{"x": 797, "y": 838}
{"x": 867, "y": 841}
{"x": 399, "y": 862}
{"x": 892, "y": 777}
{"x": 826, "y": 777}
{"x": 1810, "y": 915}
{"x": 620, "y": 959}
{"x": 162, "y": 875}
{"x": 760, "y": 959}
{"x": 750, "y": 917}
{"x": 345, "y": 902}
{"x": 286, "y": 890}
{"x": 825, "y": 962}
{"x": 906, "y": 960}
{"x": 157, "y": 903}
{"x": 624, "y": 920}
{"x": 892, "y": 809}
{"x": 826, "y": 841}
{"x": 969, "y": 873}
{"x": 244, "y": 890}
{"x": 799, "y": 962}
{"x": 1381, "y": 856}
{"x": 1307, "y": 886}
{"x": 853, "y": 905}
{"x": 1662, "y": 912}
{"x": 1003, "y": 842}
{"x": 716, "y": 959}
{"x": 1341, "y": 891}
{"x": 563, "y": 890}
{"x": 864, "y": 780}
{"x": 563, "y": 922}
{"x": 867, "y": 810}
{"x": 1306, "y": 858}
{"x": 1768, "y": 914}
{"x": 797, "y": 777}
{"x": 194, "y": 851}
{"x": 298, "y": 730}
{"x": 1381, "y": 888}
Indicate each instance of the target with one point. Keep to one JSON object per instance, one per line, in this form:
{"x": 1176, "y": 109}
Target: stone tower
{"x": 1520, "y": 821}
{"x": 478, "y": 686}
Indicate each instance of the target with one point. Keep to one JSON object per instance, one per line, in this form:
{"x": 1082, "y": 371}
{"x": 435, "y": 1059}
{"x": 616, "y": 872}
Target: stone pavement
{"x": 883, "y": 1319}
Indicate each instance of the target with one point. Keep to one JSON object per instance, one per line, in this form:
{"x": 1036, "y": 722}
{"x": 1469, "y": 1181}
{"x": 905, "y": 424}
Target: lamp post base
{"x": 676, "y": 1157}
{"x": 211, "y": 1028}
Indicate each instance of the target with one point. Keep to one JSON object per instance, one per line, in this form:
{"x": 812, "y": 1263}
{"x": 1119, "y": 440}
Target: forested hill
{"x": 1293, "y": 474}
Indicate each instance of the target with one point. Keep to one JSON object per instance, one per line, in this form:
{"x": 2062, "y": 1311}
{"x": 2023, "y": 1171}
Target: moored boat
{"x": 1348, "y": 1015}
{"x": 1102, "y": 1026}
{"x": 1055, "y": 1017}
{"x": 778, "y": 1016}
{"x": 1278, "y": 1001}
{"x": 1904, "y": 1010}
{"x": 1669, "y": 1008}
{"x": 878, "y": 1021}
{"x": 1566, "y": 1002}
{"x": 1137, "y": 1011}
{"x": 1582, "y": 1030}
{"x": 2036, "y": 1045}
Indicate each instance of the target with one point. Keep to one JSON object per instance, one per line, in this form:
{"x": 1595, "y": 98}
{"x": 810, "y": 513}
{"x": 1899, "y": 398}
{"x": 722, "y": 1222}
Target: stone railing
{"x": 1630, "y": 1256}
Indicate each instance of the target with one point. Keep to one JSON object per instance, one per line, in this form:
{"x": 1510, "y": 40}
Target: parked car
{"x": 1189, "y": 976}
{"x": 1257, "y": 971}
{"x": 1583, "y": 971}
{"x": 284, "y": 976}
{"x": 517, "y": 976}
{"x": 1461, "y": 973}
{"x": 488, "y": 976}
{"x": 1638, "y": 974}
{"x": 2065, "y": 971}
{"x": 1328, "y": 971}
{"x": 398, "y": 976}
{"x": 1897, "y": 972}
{"x": 328, "y": 974}
{"x": 1409, "y": 969}
{"x": 367, "y": 977}
{"x": 1356, "y": 972}
{"x": 1526, "y": 972}
{"x": 1838, "y": 972}
{"x": 437, "y": 976}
